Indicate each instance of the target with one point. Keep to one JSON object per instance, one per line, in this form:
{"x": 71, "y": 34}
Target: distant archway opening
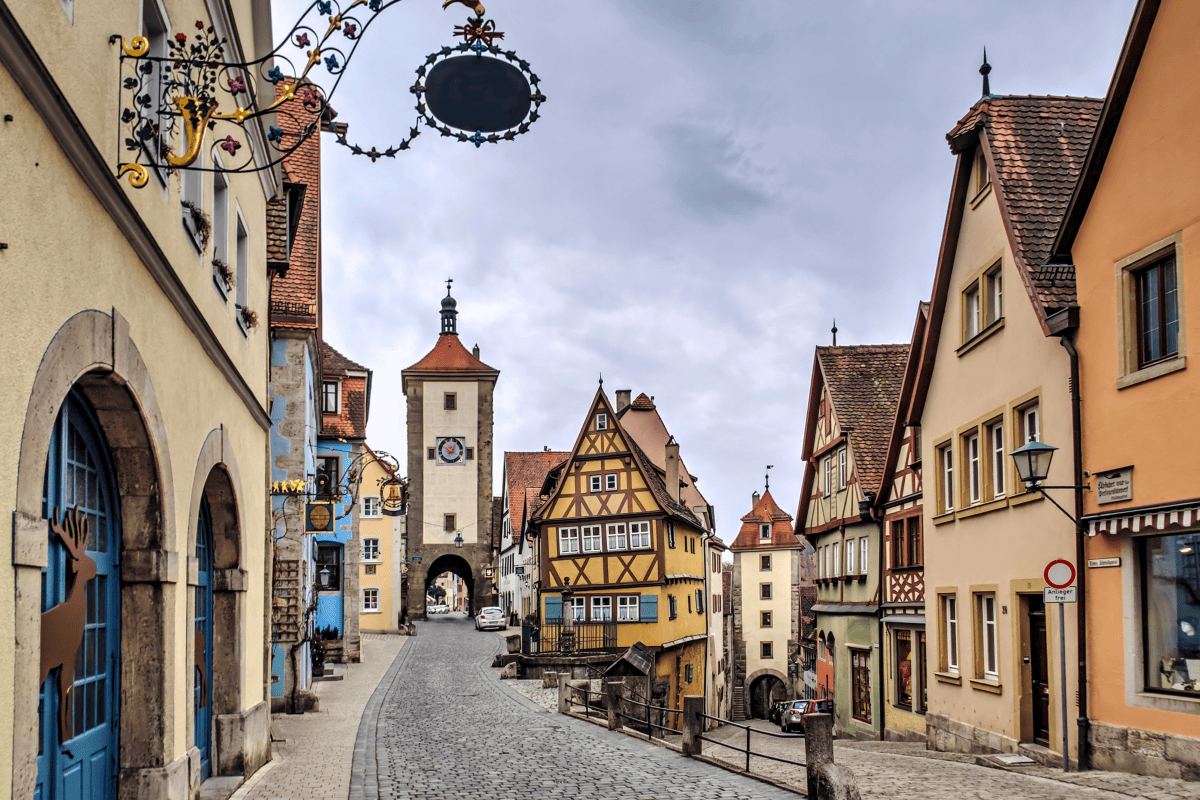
{"x": 450, "y": 582}
{"x": 764, "y": 692}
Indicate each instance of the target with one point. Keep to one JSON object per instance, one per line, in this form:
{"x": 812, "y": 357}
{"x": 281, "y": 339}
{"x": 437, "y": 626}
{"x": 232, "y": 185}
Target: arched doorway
{"x": 765, "y": 691}
{"x": 459, "y": 566}
{"x": 81, "y": 612}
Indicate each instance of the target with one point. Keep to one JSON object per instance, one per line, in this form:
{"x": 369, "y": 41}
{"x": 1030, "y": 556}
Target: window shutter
{"x": 553, "y": 609}
{"x": 648, "y": 610}
{"x": 699, "y": 601}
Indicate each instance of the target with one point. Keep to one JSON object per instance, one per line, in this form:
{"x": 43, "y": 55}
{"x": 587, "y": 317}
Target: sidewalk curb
{"x": 364, "y": 766}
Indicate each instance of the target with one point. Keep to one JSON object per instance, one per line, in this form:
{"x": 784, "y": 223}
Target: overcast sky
{"x": 711, "y": 183}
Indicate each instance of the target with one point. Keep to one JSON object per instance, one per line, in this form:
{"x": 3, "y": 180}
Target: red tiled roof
{"x": 351, "y": 421}
{"x": 1038, "y": 146}
{"x": 642, "y": 403}
{"x": 766, "y": 510}
{"x": 449, "y": 355}
{"x": 659, "y": 489}
{"x": 522, "y": 472}
{"x": 864, "y": 384}
{"x": 336, "y": 365}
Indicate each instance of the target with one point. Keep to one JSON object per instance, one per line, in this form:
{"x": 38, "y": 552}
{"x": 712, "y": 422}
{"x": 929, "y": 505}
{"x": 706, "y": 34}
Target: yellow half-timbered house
{"x": 614, "y": 534}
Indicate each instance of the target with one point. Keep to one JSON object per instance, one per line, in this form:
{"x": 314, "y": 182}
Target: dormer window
{"x": 764, "y": 532}
{"x": 602, "y": 422}
{"x": 330, "y": 397}
{"x": 979, "y": 172}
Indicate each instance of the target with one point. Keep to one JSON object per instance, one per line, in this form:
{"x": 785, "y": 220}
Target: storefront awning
{"x": 905, "y": 619}
{"x": 1161, "y": 519}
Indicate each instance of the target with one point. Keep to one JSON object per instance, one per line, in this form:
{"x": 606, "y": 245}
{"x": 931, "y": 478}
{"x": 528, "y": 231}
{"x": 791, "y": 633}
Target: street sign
{"x": 520, "y": 571}
{"x": 1095, "y": 563}
{"x": 1060, "y": 573}
{"x": 1066, "y": 595}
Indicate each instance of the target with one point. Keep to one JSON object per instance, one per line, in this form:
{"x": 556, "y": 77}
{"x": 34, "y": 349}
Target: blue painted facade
{"x": 331, "y": 604}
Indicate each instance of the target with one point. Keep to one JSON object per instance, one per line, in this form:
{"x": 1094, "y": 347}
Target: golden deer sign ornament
{"x": 63, "y": 625}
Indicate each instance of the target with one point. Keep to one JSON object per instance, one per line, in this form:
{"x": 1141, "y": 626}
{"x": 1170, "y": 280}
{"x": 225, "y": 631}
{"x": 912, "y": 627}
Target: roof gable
{"x": 900, "y": 419}
{"x": 524, "y": 472}
{"x": 766, "y": 512}
{"x": 449, "y": 355}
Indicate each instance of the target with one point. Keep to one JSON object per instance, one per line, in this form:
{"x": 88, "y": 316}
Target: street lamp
{"x": 1033, "y": 462}
{"x": 324, "y": 577}
{"x": 458, "y": 540}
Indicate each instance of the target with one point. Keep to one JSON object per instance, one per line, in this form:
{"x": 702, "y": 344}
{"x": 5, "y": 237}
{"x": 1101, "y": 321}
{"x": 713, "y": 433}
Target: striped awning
{"x": 1158, "y": 520}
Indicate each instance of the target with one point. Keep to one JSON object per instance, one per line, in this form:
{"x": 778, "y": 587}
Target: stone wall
{"x": 1163, "y": 755}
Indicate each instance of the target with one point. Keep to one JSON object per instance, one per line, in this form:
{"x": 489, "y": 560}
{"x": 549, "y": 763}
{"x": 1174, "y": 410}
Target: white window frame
{"x": 602, "y": 608}
{"x": 241, "y": 253}
{"x": 592, "y": 538}
{"x": 579, "y": 608}
{"x": 946, "y": 476}
{"x": 367, "y": 557}
{"x": 991, "y": 641}
{"x": 639, "y": 536}
{"x": 568, "y": 541}
{"x": 602, "y": 422}
{"x": 370, "y": 600}
{"x": 996, "y": 440}
{"x": 617, "y": 536}
{"x": 764, "y": 531}
{"x": 610, "y": 482}
{"x": 843, "y": 472}
{"x": 974, "y": 468}
{"x": 971, "y": 311}
{"x": 595, "y": 482}
{"x": 1031, "y": 423}
{"x": 836, "y": 559}
{"x": 220, "y": 227}
{"x": 862, "y": 553}
{"x": 950, "y": 631}
{"x": 372, "y": 508}
{"x": 993, "y": 281}
{"x": 827, "y": 467}
{"x": 850, "y": 557}
{"x": 628, "y": 608}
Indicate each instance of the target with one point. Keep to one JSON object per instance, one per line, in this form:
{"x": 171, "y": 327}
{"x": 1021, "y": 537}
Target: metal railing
{"x": 589, "y": 637}
{"x": 746, "y": 749}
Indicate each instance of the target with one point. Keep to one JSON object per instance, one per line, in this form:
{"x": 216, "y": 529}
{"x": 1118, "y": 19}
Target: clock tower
{"x": 449, "y": 398}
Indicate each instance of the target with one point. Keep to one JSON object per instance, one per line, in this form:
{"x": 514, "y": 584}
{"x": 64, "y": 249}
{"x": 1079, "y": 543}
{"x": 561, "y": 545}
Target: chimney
{"x": 623, "y": 396}
{"x": 673, "y": 469}
{"x": 475, "y": 351}
{"x": 754, "y": 498}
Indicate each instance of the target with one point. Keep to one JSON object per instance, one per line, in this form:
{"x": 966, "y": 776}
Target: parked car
{"x": 797, "y": 711}
{"x": 438, "y": 608}
{"x": 776, "y": 710}
{"x": 491, "y": 618}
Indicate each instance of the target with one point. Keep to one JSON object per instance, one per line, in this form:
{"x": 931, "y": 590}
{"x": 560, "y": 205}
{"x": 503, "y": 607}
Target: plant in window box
{"x": 249, "y": 317}
{"x": 223, "y": 272}
{"x": 200, "y": 222}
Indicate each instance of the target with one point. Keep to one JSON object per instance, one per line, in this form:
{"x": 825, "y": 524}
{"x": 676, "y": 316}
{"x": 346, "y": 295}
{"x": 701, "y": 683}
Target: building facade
{"x": 449, "y": 395}
{"x": 627, "y": 555}
{"x": 994, "y": 679}
{"x": 1131, "y": 229}
{"x": 381, "y": 566}
{"x": 767, "y": 558}
{"x": 137, "y": 439}
{"x": 852, "y": 404}
{"x": 524, "y": 473}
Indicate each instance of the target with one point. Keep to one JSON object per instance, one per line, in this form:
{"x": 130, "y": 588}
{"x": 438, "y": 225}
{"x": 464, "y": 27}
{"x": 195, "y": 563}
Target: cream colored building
{"x": 383, "y": 559}
{"x": 992, "y": 377}
{"x": 766, "y": 606}
{"x": 132, "y": 376}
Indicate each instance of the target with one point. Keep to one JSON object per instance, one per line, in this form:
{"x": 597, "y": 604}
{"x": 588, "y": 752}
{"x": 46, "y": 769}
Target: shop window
{"x": 860, "y": 684}
{"x": 1170, "y": 577}
{"x": 902, "y": 651}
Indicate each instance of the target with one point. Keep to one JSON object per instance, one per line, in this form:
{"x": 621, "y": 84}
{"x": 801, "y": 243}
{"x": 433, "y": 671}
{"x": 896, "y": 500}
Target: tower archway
{"x": 451, "y": 562}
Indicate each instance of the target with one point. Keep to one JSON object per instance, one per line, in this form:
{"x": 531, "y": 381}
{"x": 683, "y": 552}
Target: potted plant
{"x": 200, "y": 222}
{"x": 224, "y": 272}
{"x": 249, "y": 317}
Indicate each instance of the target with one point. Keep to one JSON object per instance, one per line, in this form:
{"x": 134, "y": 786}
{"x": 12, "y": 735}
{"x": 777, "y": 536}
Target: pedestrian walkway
{"x": 312, "y": 753}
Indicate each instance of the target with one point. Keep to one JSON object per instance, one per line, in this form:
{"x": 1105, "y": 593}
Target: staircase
{"x": 738, "y": 712}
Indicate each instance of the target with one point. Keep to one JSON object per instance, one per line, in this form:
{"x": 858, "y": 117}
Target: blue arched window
{"x": 78, "y": 708}
{"x": 202, "y": 682}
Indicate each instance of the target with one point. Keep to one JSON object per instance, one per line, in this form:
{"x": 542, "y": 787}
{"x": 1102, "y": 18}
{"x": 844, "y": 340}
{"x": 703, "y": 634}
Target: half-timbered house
{"x": 851, "y": 408}
{"x": 624, "y": 555}
{"x": 903, "y": 606}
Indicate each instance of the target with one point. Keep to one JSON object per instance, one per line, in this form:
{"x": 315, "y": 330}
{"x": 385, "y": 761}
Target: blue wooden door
{"x": 203, "y": 650}
{"x": 78, "y": 708}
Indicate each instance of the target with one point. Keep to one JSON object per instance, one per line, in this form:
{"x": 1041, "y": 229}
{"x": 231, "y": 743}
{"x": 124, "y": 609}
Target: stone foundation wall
{"x": 951, "y": 736}
{"x": 1163, "y": 755}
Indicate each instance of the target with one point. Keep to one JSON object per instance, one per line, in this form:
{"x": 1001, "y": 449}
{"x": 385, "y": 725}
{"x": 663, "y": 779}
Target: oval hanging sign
{"x": 474, "y": 93}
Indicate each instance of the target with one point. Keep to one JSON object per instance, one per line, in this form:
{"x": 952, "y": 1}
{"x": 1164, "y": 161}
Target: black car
{"x": 776, "y": 711}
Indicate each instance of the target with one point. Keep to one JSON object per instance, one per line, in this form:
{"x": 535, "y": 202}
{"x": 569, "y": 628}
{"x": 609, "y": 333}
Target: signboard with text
{"x": 1066, "y": 595}
{"x": 1114, "y": 486}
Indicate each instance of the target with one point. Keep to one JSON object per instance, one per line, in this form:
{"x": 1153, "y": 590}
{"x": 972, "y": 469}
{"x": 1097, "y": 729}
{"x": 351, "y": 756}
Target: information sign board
{"x": 1066, "y": 595}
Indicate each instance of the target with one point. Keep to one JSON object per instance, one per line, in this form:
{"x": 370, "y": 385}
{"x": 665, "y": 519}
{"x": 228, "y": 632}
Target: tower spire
{"x": 768, "y": 476}
{"x": 984, "y": 70}
{"x": 833, "y": 330}
{"x": 449, "y": 312}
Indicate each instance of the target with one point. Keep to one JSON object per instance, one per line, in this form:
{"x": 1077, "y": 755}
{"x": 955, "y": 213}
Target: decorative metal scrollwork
{"x": 187, "y": 96}
{"x": 344, "y": 488}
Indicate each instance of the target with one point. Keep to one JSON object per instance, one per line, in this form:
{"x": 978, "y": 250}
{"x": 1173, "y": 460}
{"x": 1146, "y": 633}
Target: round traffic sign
{"x": 1060, "y": 573}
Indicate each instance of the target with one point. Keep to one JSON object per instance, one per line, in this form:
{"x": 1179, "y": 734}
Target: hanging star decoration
{"x": 477, "y": 30}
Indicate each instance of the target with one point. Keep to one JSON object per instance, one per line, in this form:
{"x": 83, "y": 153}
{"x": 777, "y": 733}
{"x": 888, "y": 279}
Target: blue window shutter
{"x": 553, "y": 609}
{"x": 648, "y": 612}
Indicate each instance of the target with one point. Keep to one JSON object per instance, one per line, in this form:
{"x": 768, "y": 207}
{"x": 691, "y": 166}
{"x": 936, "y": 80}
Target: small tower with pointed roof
{"x": 449, "y": 398}
{"x": 767, "y": 573}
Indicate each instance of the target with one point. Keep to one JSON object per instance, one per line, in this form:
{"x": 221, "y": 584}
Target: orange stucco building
{"x": 1132, "y": 225}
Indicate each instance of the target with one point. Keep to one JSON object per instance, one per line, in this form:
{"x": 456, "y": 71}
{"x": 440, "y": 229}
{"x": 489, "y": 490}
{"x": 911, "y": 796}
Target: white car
{"x": 438, "y": 609}
{"x": 491, "y": 618}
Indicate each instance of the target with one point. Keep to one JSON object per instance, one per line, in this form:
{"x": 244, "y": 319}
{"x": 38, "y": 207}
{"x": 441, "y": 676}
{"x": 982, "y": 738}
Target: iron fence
{"x": 589, "y": 637}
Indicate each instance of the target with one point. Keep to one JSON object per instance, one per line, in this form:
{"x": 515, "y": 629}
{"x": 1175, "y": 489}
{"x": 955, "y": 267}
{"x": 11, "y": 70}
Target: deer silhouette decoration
{"x": 63, "y": 625}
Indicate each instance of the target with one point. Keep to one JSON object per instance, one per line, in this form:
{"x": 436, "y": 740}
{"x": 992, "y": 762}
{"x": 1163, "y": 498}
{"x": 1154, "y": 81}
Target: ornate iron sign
{"x": 176, "y": 98}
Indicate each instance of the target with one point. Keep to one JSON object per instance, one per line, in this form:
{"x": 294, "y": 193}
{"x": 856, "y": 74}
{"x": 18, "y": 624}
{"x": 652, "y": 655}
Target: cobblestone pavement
{"x": 446, "y": 728}
{"x": 909, "y": 772}
{"x": 312, "y": 762}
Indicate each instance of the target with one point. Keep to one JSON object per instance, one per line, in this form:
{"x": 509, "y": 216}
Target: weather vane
{"x": 768, "y": 476}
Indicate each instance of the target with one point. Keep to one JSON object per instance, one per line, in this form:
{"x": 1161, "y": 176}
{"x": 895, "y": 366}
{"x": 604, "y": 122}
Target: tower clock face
{"x": 450, "y": 450}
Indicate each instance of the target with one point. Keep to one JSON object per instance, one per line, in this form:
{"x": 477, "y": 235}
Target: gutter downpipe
{"x": 1067, "y": 340}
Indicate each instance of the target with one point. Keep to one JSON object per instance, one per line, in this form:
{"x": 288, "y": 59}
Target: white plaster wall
{"x": 451, "y": 489}
{"x": 780, "y": 604}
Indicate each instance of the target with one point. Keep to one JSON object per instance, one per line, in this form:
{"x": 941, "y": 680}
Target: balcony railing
{"x": 589, "y": 637}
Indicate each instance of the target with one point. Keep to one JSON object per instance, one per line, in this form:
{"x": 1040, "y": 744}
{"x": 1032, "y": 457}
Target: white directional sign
{"x": 1066, "y": 595}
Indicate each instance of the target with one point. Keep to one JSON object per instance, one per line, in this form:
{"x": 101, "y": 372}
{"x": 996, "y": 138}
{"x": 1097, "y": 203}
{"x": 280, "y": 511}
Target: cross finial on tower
{"x": 984, "y": 70}
{"x": 768, "y": 476}
{"x": 448, "y": 282}
{"x": 833, "y": 330}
